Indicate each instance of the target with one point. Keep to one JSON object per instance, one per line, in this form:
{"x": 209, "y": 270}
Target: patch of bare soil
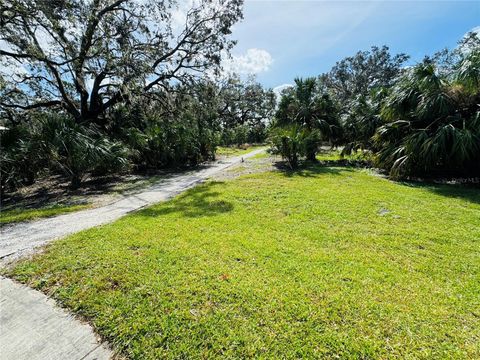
{"x": 55, "y": 190}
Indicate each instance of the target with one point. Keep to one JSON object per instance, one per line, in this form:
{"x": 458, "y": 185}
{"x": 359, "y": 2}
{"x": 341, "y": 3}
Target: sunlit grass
{"x": 319, "y": 263}
{"x": 261, "y": 155}
{"x": 22, "y": 214}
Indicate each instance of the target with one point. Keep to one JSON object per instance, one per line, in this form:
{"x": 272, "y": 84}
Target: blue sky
{"x": 280, "y": 39}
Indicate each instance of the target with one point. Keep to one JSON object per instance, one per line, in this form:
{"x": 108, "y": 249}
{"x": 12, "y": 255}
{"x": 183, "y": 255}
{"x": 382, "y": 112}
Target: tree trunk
{"x": 75, "y": 181}
{"x": 312, "y": 156}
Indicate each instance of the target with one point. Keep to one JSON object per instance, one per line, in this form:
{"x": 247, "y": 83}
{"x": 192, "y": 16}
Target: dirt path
{"x": 33, "y": 327}
{"x": 21, "y": 239}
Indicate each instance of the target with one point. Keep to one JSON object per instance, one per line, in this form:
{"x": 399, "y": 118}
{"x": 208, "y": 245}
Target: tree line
{"x": 179, "y": 127}
{"x": 108, "y": 86}
{"x": 412, "y": 121}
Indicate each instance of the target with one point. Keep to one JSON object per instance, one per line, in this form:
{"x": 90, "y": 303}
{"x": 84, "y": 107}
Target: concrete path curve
{"x": 32, "y": 326}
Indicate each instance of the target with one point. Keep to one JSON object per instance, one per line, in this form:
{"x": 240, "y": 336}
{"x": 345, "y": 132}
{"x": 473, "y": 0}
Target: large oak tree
{"x": 86, "y": 56}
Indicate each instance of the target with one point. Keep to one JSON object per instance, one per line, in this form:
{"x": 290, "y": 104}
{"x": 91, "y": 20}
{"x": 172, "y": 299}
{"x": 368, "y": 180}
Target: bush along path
{"x": 33, "y": 327}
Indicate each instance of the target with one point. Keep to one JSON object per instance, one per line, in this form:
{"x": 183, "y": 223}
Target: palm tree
{"x": 362, "y": 120}
{"x": 433, "y": 121}
{"x": 303, "y": 105}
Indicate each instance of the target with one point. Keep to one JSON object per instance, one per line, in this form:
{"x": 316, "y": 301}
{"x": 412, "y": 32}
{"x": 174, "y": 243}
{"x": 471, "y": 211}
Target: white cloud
{"x": 254, "y": 61}
{"x": 278, "y": 89}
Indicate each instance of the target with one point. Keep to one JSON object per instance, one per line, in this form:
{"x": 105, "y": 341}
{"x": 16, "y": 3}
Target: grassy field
{"x": 321, "y": 263}
{"x": 21, "y": 214}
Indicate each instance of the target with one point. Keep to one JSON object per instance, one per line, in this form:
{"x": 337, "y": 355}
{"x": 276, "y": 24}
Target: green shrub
{"x": 293, "y": 142}
{"x": 306, "y": 105}
{"x": 22, "y": 156}
{"x": 241, "y": 134}
{"x": 76, "y": 150}
{"x": 433, "y": 123}
{"x": 184, "y": 137}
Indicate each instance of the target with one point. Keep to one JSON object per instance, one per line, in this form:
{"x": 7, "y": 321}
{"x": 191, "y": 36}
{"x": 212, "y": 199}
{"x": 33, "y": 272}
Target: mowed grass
{"x": 21, "y": 214}
{"x": 321, "y": 263}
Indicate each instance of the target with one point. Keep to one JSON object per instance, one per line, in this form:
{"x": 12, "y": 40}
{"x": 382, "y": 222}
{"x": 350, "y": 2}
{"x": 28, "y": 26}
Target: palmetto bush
{"x": 433, "y": 122}
{"x": 180, "y": 136}
{"x": 77, "y": 150}
{"x": 21, "y": 156}
{"x": 55, "y": 143}
{"x": 362, "y": 121}
{"x": 293, "y": 142}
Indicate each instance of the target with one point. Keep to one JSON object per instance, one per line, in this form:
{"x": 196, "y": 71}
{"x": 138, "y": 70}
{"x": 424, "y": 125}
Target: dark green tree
{"x": 358, "y": 84}
{"x": 305, "y": 106}
{"x": 358, "y": 75}
{"x": 245, "y": 109}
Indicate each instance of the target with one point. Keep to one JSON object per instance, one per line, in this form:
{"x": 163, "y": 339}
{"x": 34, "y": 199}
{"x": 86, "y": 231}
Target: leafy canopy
{"x": 87, "y": 56}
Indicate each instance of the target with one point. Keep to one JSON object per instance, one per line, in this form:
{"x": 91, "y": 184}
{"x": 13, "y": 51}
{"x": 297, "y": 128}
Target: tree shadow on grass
{"x": 200, "y": 201}
{"x": 468, "y": 192}
{"x": 309, "y": 169}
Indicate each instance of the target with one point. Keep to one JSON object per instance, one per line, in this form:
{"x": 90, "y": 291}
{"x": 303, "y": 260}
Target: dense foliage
{"x": 305, "y": 118}
{"x": 120, "y": 85}
{"x": 358, "y": 85}
{"x": 416, "y": 121}
{"x": 245, "y": 108}
{"x": 433, "y": 122}
{"x": 179, "y": 127}
{"x": 292, "y": 142}
{"x": 116, "y": 86}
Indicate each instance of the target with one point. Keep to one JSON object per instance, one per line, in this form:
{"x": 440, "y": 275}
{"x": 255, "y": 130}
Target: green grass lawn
{"x": 321, "y": 263}
{"x": 261, "y": 155}
{"x": 21, "y": 214}
{"x": 235, "y": 151}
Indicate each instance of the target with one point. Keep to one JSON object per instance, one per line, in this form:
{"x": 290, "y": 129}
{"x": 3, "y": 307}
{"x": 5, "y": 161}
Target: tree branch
{"x": 32, "y": 106}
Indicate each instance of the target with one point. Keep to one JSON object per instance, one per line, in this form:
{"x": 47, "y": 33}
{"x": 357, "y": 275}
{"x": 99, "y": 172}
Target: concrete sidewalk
{"x": 31, "y": 325}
